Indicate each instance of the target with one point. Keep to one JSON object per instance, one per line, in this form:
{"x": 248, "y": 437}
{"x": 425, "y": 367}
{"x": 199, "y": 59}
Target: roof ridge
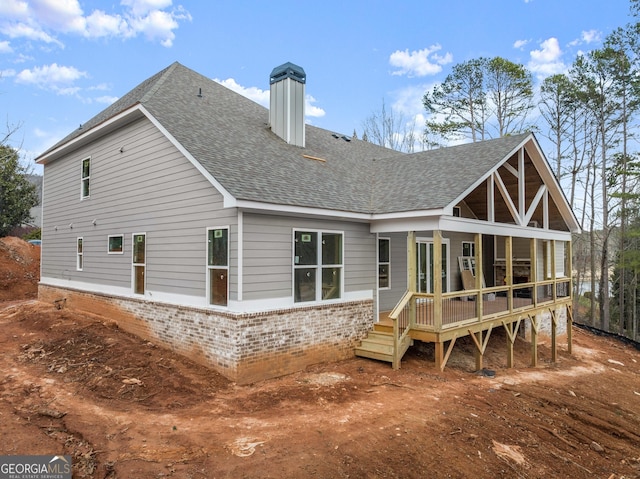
{"x": 158, "y": 83}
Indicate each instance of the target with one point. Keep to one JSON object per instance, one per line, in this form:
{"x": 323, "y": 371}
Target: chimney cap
{"x": 288, "y": 70}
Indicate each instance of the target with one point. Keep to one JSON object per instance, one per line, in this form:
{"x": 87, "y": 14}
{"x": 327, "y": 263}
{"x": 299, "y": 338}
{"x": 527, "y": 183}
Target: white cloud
{"x": 5, "y": 47}
{"x": 419, "y": 62}
{"x": 7, "y": 73}
{"x": 22, "y": 30}
{"x": 262, "y": 97}
{"x": 107, "y": 99}
{"x": 252, "y": 93}
{"x": 54, "y": 77}
{"x": 142, "y": 7}
{"x": 42, "y": 20}
{"x": 310, "y": 109}
{"x": 548, "y": 60}
{"x": 591, "y": 36}
{"x": 520, "y": 43}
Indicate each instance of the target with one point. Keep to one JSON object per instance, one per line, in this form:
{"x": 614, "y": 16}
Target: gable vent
{"x": 286, "y": 110}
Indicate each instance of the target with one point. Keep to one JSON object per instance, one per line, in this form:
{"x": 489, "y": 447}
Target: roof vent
{"x": 286, "y": 114}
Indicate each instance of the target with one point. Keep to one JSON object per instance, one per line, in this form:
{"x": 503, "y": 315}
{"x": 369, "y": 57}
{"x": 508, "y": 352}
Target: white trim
{"x": 465, "y": 225}
{"x": 240, "y": 249}
{"x": 208, "y": 267}
{"x": 387, "y": 238}
{"x": 79, "y": 254}
{"x": 491, "y": 199}
{"x": 521, "y": 185}
{"x": 79, "y": 140}
{"x": 235, "y": 307}
{"x": 228, "y": 198}
{"x": 133, "y": 265}
{"x": 319, "y": 266}
{"x": 83, "y": 178}
{"x": 109, "y": 243}
{"x": 429, "y": 240}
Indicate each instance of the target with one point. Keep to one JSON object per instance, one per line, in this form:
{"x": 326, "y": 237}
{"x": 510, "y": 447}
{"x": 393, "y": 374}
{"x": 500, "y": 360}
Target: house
{"x": 256, "y": 244}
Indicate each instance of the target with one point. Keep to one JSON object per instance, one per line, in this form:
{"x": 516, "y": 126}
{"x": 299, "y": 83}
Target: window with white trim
{"x": 85, "y": 178}
{"x": 468, "y": 248}
{"x": 384, "y": 263}
{"x": 218, "y": 266}
{"x": 317, "y": 265}
{"x": 79, "y": 255}
{"x": 115, "y": 244}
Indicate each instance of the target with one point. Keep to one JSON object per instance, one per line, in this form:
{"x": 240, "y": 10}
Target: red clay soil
{"x": 76, "y": 384}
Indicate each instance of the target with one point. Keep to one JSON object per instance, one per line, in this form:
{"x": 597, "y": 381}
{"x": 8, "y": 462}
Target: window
{"x": 317, "y": 265}
{"x": 116, "y": 244}
{"x": 218, "y": 266}
{"x": 139, "y": 262}
{"x": 86, "y": 175}
{"x": 79, "y": 255}
{"x": 468, "y": 248}
{"x": 384, "y": 256}
{"x": 456, "y": 211}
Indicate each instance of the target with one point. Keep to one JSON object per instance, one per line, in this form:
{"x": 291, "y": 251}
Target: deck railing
{"x": 458, "y": 308}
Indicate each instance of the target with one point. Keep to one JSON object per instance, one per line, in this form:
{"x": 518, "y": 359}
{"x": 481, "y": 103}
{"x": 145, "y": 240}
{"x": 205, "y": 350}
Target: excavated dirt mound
{"x": 19, "y": 269}
{"x": 76, "y": 384}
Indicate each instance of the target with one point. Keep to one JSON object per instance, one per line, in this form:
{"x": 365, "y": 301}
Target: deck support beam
{"x": 442, "y": 357}
{"x": 481, "y": 345}
{"x": 534, "y": 340}
{"x": 512, "y": 333}
{"x": 554, "y": 336}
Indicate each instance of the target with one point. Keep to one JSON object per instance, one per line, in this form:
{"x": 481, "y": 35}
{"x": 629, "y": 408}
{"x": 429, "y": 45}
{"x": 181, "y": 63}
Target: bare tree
{"x": 386, "y": 127}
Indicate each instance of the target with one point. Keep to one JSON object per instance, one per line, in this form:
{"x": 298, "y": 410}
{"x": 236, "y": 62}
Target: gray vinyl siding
{"x": 455, "y": 250}
{"x": 149, "y": 188}
{"x": 268, "y": 257}
{"x": 398, "y": 259}
{"x": 389, "y": 298}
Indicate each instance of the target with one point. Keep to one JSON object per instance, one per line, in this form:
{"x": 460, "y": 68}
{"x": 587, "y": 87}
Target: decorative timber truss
{"x": 518, "y": 202}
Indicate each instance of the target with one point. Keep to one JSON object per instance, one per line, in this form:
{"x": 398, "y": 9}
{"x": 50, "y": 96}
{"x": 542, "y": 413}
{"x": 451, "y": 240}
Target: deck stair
{"x": 379, "y": 345}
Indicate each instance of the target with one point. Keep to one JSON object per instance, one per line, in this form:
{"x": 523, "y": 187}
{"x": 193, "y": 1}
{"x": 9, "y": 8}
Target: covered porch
{"x": 534, "y": 291}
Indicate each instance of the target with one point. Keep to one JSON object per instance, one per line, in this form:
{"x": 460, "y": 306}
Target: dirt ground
{"x": 77, "y": 385}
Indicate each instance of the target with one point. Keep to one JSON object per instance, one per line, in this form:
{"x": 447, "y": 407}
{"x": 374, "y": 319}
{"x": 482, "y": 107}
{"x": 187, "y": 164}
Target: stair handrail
{"x": 397, "y": 337}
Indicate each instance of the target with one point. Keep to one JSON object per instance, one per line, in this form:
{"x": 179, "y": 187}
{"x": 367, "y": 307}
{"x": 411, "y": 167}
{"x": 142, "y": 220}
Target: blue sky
{"x": 62, "y": 61}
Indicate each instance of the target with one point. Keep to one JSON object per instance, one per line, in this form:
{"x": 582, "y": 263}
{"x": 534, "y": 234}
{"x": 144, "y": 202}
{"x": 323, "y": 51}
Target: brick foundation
{"x": 243, "y": 347}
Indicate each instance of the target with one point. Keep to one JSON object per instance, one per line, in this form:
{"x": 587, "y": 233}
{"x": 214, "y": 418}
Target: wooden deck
{"x": 444, "y": 318}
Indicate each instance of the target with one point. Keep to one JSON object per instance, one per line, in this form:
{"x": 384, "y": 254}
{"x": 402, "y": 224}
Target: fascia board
{"x": 228, "y": 198}
{"x": 115, "y": 121}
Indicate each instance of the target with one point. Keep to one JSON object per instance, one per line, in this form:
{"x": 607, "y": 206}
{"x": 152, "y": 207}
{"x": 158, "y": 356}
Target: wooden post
{"x": 569, "y": 273}
{"x": 512, "y": 331}
{"x": 553, "y": 270}
{"x": 569, "y": 328}
{"x": 439, "y": 353}
{"x": 554, "y": 334}
{"x": 412, "y": 274}
{"x": 479, "y": 275}
{"x": 508, "y": 256}
{"x": 533, "y": 268}
{"x": 534, "y": 340}
{"x": 477, "y": 337}
{"x": 437, "y": 279}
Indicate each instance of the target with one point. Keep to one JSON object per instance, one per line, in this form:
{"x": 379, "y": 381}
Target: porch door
{"x": 425, "y": 266}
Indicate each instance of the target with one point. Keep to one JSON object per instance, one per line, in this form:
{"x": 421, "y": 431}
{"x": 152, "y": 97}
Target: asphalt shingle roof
{"x": 229, "y": 135}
